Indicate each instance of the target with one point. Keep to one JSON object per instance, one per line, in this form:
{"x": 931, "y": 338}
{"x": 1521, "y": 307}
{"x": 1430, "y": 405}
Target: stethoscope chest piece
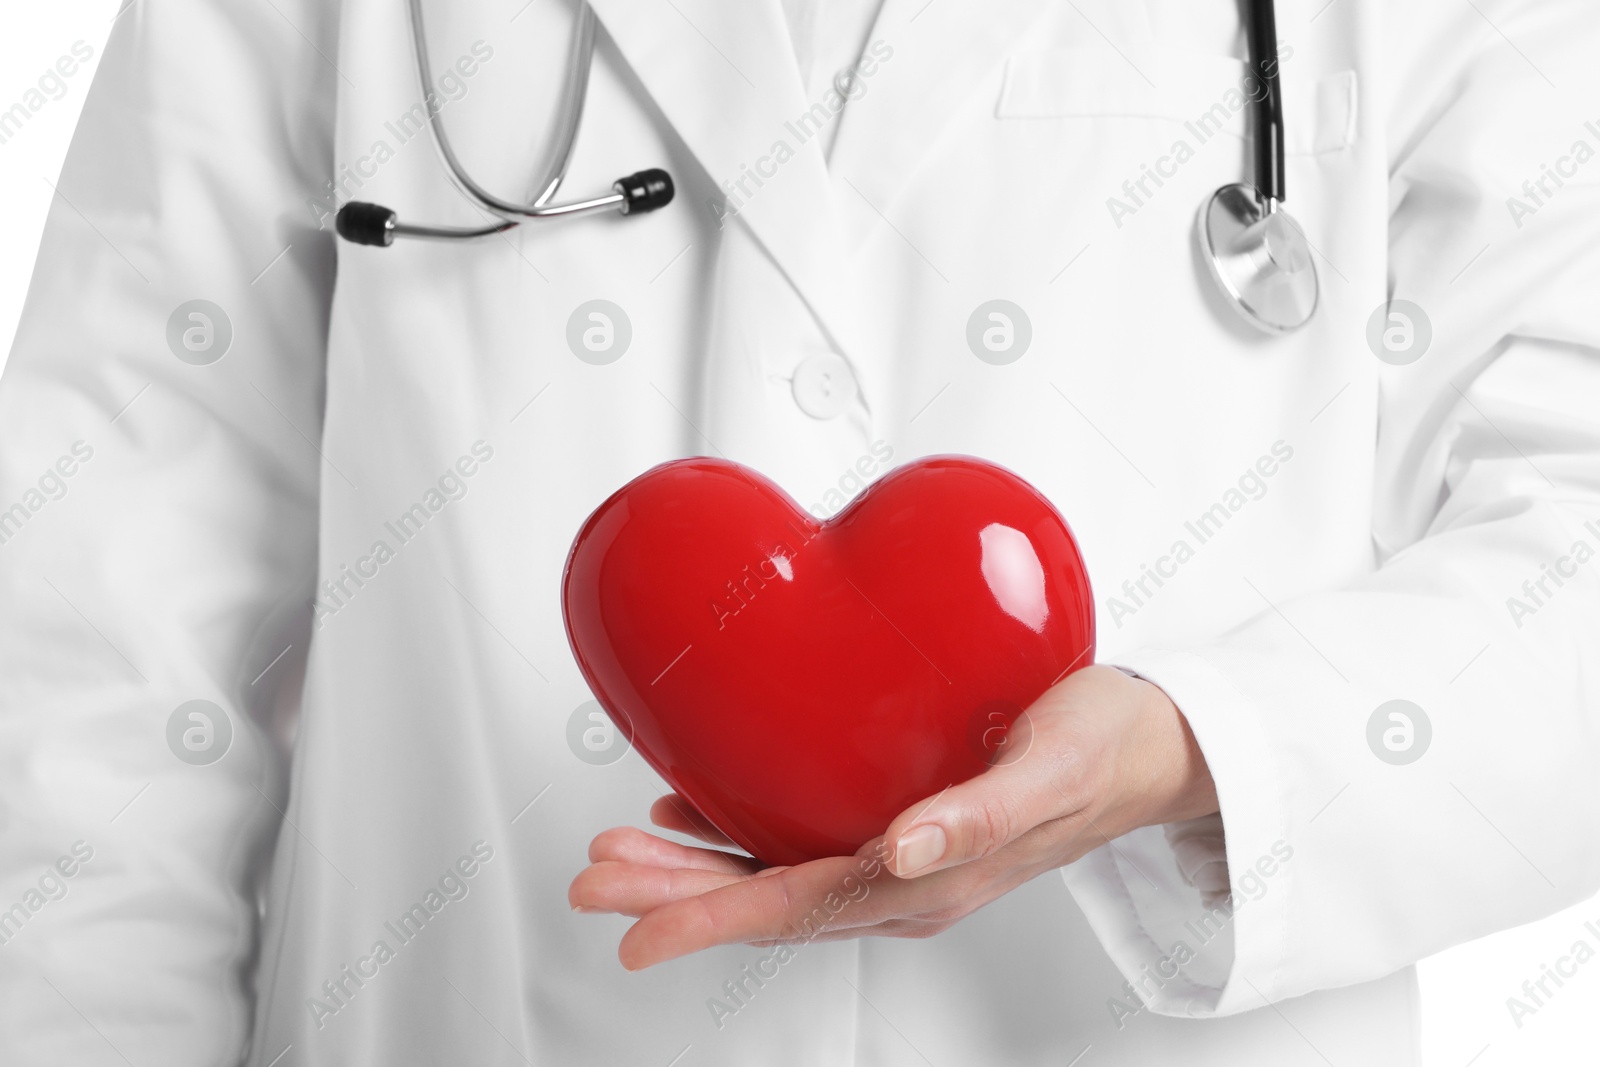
{"x": 1260, "y": 258}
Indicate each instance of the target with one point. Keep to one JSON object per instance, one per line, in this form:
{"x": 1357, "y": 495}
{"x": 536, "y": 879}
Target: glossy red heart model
{"x": 802, "y": 683}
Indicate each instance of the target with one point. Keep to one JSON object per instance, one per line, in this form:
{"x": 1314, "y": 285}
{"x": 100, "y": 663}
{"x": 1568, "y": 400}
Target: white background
{"x": 1465, "y": 1018}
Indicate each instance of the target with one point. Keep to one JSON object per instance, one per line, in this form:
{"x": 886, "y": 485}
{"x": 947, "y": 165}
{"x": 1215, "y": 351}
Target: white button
{"x": 824, "y": 386}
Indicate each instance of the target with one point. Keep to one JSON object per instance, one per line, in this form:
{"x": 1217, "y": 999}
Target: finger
{"x": 794, "y": 902}
{"x": 636, "y": 889}
{"x": 908, "y": 928}
{"x": 673, "y": 812}
{"x": 628, "y": 844}
{"x": 1040, "y": 777}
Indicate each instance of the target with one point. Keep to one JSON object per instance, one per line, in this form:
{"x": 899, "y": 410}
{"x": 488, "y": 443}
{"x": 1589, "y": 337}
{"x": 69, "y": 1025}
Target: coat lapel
{"x": 723, "y": 73}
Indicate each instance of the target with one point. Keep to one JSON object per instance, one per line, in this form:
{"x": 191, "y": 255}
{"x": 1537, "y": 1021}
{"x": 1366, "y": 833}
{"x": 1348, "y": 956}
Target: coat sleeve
{"x": 159, "y": 471}
{"x": 1356, "y": 842}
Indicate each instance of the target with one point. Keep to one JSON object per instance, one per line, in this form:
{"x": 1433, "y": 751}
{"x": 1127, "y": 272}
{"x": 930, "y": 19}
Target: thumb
{"x": 1033, "y": 784}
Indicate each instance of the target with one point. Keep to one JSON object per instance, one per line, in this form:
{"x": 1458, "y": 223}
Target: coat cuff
{"x": 1157, "y": 898}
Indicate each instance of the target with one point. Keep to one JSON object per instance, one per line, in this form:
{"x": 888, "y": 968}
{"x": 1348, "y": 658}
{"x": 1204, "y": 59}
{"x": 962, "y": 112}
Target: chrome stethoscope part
{"x": 646, "y": 190}
{"x": 1259, "y": 257}
{"x": 1257, "y": 254}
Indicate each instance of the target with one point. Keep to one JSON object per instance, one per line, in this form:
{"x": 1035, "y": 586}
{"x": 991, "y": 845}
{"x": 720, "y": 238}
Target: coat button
{"x": 824, "y": 386}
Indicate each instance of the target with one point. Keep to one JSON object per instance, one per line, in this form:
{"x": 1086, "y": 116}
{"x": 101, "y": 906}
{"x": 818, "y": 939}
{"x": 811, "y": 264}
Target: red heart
{"x": 802, "y": 683}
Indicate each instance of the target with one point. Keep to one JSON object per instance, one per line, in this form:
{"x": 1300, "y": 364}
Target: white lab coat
{"x": 421, "y": 713}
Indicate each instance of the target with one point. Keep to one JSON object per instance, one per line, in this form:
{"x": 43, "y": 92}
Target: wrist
{"x": 1164, "y": 775}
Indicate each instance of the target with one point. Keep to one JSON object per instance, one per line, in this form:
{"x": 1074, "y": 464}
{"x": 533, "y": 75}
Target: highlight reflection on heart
{"x": 1014, "y": 574}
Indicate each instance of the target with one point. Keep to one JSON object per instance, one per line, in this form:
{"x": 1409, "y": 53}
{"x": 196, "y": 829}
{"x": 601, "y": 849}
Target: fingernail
{"x": 918, "y": 849}
{"x": 584, "y": 909}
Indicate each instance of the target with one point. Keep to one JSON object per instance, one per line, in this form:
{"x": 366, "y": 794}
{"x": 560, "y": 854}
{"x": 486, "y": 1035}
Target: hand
{"x": 1096, "y": 756}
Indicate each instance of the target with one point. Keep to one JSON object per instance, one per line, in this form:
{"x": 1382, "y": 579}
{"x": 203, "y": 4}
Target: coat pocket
{"x": 1207, "y": 93}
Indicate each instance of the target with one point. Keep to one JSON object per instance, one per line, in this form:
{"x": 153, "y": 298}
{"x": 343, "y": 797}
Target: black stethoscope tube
{"x": 1261, "y": 34}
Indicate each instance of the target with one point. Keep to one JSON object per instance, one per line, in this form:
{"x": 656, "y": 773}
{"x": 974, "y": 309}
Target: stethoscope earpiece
{"x": 366, "y": 224}
{"x": 644, "y": 191}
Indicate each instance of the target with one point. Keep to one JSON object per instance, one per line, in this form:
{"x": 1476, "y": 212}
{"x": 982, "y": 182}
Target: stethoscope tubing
{"x": 574, "y": 90}
{"x": 1261, "y": 37}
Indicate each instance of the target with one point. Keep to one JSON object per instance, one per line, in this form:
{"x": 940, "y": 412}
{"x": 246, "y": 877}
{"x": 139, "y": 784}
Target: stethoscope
{"x": 1257, "y": 255}
{"x": 646, "y": 190}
